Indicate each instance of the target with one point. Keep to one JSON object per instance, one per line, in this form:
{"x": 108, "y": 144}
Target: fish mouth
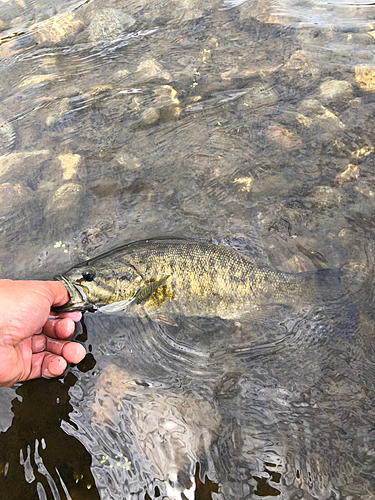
{"x": 78, "y": 297}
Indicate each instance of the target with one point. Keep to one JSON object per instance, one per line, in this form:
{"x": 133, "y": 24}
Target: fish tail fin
{"x": 328, "y": 283}
{"x": 340, "y": 311}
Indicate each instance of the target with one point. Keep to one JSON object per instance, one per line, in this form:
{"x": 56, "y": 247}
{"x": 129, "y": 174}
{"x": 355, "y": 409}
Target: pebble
{"x": 335, "y": 92}
{"x": 282, "y": 137}
{"x": 66, "y": 197}
{"x": 58, "y": 30}
{"x": 109, "y": 23}
{"x": 69, "y": 164}
{"x": 150, "y": 116}
{"x": 312, "y": 112}
{"x": 13, "y": 197}
{"x": 17, "y": 163}
{"x": 325, "y": 197}
{"x": 365, "y": 77}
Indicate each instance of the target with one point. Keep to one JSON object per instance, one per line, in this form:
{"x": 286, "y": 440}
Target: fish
{"x": 170, "y": 276}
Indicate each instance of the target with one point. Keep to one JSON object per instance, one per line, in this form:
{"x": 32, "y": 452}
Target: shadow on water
{"x": 50, "y": 463}
{"x": 38, "y": 459}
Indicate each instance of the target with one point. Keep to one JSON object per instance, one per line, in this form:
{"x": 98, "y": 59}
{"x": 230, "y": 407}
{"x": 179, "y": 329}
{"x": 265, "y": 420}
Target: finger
{"x": 38, "y": 343}
{"x": 75, "y": 315}
{"x": 47, "y": 365}
{"x": 72, "y": 352}
{"x": 53, "y": 366}
{"x": 58, "y": 293}
{"x": 36, "y": 365}
{"x": 59, "y": 328}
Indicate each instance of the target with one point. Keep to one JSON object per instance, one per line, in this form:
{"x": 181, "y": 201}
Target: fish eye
{"x": 88, "y": 275}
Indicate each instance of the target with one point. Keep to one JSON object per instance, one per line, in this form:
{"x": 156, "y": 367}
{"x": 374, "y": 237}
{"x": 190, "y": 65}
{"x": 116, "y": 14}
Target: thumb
{"x": 58, "y": 294}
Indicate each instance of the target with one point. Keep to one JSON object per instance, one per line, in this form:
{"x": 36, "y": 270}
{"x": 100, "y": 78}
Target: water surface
{"x": 247, "y": 123}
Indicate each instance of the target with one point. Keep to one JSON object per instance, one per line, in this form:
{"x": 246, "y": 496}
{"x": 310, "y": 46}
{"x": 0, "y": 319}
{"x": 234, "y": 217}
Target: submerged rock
{"x": 109, "y": 23}
{"x": 270, "y": 185}
{"x": 166, "y": 95}
{"x": 38, "y": 79}
{"x": 301, "y": 69}
{"x": 282, "y": 137}
{"x": 325, "y": 198}
{"x": 167, "y": 429}
{"x": 13, "y": 197}
{"x": 149, "y": 69}
{"x": 150, "y": 116}
{"x": 56, "y": 111}
{"x": 130, "y": 162}
{"x": 65, "y": 198}
{"x": 58, "y": 30}
{"x": 365, "y": 77}
{"x": 69, "y": 164}
{"x": 312, "y": 112}
{"x": 351, "y": 173}
{"x": 335, "y": 92}
{"x": 22, "y": 164}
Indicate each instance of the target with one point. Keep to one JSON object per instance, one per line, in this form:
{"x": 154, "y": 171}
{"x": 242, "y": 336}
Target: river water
{"x": 247, "y": 123}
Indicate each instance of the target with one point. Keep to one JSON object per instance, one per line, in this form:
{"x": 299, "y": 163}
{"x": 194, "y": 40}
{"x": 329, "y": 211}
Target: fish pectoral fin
{"x": 145, "y": 292}
{"x": 163, "y": 318}
{"x": 151, "y": 315}
{"x": 117, "y": 307}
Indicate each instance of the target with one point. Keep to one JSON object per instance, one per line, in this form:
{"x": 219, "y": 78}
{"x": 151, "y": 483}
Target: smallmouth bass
{"x": 190, "y": 278}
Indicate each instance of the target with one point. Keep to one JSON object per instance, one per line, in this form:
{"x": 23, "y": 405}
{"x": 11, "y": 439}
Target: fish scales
{"x": 205, "y": 270}
{"x": 191, "y": 278}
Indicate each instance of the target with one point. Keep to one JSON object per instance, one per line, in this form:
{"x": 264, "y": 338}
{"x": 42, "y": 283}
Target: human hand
{"x": 33, "y": 341}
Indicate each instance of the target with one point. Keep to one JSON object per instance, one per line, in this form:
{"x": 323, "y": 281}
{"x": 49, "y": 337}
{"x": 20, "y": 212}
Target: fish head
{"x": 91, "y": 287}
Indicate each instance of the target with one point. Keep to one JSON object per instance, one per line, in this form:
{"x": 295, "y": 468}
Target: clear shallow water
{"x": 346, "y": 15}
{"x": 238, "y": 125}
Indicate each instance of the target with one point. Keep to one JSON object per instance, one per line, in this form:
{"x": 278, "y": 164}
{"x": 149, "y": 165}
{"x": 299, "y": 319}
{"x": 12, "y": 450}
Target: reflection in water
{"x": 163, "y": 429}
{"x": 247, "y": 123}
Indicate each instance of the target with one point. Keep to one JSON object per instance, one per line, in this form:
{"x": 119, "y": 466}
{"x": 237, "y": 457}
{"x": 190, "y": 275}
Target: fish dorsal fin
{"x": 135, "y": 244}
